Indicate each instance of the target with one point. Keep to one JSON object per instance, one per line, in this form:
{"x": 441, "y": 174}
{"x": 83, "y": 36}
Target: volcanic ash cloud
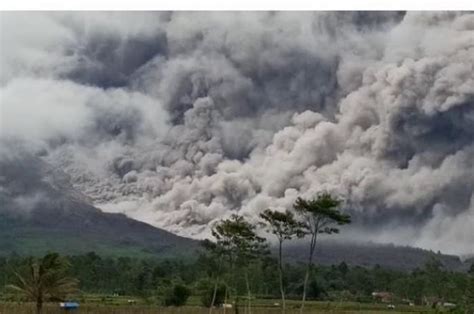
{"x": 179, "y": 119}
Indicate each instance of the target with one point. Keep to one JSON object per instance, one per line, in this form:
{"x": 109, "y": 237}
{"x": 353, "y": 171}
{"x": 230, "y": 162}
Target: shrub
{"x": 177, "y": 295}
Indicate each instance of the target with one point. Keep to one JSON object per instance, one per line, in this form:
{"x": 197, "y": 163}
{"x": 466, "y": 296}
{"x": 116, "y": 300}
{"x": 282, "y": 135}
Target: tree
{"x": 143, "y": 281}
{"x": 239, "y": 242}
{"x": 469, "y": 293}
{"x": 436, "y": 282}
{"x": 320, "y": 215}
{"x": 214, "y": 296}
{"x": 177, "y": 295}
{"x": 214, "y": 259}
{"x": 284, "y": 226}
{"x": 44, "y": 279}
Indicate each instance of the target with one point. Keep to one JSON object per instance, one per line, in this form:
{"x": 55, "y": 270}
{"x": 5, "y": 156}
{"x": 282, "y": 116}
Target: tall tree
{"x": 237, "y": 237}
{"x": 469, "y": 291}
{"x": 435, "y": 275}
{"x": 44, "y": 279}
{"x": 215, "y": 254}
{"x": 319, "y": 215}
{"x": 284, "y": 226}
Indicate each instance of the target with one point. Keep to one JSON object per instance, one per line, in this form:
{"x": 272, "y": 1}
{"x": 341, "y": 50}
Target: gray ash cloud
{"x": 180, "y": 118}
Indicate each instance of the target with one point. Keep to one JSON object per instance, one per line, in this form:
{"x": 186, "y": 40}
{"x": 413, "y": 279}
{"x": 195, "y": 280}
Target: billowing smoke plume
{"x": 179, "y": 119}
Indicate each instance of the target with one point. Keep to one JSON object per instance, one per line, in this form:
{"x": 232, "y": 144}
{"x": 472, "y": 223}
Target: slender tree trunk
{"x": 214, "y": 293}
{"x": 236, "y": 305}
{"x": 308, "y": 268}
{"x": 39, "y": 305}
{"x": 234, "y": 280}
{"x": 225, "y": 297}
{"x": 280, "y": 268}
{"x": 248, "y": 291}
{"x": 213, "y": 300}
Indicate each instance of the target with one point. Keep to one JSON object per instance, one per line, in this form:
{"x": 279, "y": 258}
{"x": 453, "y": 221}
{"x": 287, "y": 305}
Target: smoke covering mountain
{"x": 178, "y": 119}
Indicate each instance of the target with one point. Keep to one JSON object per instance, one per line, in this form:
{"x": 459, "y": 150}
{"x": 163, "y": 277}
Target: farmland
{"x": 98, "y": 304}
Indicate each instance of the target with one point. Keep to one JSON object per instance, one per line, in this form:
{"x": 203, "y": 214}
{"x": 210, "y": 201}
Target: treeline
{"x": 150, "y": 278}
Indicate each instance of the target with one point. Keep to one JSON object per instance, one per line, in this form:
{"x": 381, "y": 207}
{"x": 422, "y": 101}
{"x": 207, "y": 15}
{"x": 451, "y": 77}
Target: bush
{"x": 177, "y": 295}
{"x": 206, "y": 298}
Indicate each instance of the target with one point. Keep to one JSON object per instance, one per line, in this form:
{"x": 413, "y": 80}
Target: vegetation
{"x": 284, "y": 226}
{"x": 214, "y": 297}
{"x": 119, "y": 305}
{"x": 233, "y": 267}
{"x": 44, "y": 279}
{"x": 147, "y": 281}
{"x": 236, "y": 238}
{"x": 321, "y": 215}
{"x": 177, "y": 295}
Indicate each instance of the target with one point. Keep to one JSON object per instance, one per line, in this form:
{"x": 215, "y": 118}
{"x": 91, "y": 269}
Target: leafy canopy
{"x": 238, "y": 239}
{"x": 322, "y": 213}
{"x": 45, "y": 279}
{"x": 283, "y": 224}
{"x": 177, "y": 295}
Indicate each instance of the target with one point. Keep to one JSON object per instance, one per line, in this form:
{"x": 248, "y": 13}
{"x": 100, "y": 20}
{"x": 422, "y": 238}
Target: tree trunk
{"x": 308, "y": 268}
{"x": 236, "y": 298}
{"x": 213, "y": 300}
{"x": 236, "y": 311}
{"x": 248, "y": 291}
{"x": 280, "y": 268}
{"x": 39, "y": 306}
{"x": 214, "y": 293}
{"x": 225, "y": 297}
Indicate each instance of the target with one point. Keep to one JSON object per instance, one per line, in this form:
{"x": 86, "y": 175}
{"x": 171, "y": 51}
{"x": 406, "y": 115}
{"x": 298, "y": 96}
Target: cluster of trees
{"x": 171, "y": 281}
{"x": 237, "y": 244}
{"x": 237, "y": 267}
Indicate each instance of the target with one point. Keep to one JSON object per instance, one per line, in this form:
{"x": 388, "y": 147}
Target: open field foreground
{"x": 260, "y": 307}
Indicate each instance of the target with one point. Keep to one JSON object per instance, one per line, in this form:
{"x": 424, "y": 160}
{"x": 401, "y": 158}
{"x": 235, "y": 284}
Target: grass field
{"x": 119, "y": 305}
{"x": 97, "y": 309}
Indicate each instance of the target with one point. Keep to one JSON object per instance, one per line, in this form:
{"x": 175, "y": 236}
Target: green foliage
{"x": 316, "y": 289}
{"x": 206, "y": 298}
{"x": 467, "y": 301}
{"x": 177, "y": 295}
{"x": 126, "y": 276}
{"x": 282, "y": 224}
{"x": 322, "y": 213}
{"x": 44, "y": 279}
{"x": 237, "y": 239}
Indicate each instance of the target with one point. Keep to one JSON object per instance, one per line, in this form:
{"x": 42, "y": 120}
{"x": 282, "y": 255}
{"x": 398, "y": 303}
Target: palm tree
{"x": 44, "y": 279}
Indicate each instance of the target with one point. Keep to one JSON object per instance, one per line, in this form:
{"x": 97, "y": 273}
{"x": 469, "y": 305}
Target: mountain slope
{"x": 109, "y": 234}
{"x": 40, "y": 211}
{"x": 370, "y": 255}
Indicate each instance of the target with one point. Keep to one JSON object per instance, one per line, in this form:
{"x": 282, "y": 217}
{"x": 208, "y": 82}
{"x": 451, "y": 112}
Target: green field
{"x": 119, "y": 305}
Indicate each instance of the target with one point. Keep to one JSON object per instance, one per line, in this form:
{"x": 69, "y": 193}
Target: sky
{"x": 179, "y": 119}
